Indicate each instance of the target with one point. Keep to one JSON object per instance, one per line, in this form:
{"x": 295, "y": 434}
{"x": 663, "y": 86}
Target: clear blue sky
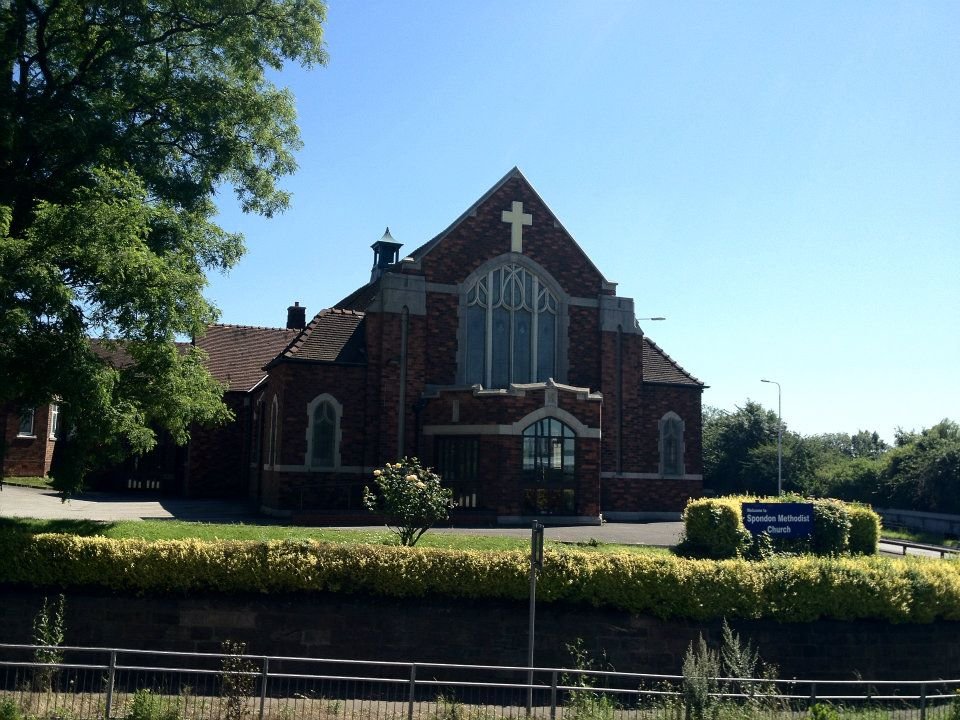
{"x": 781, "y": 180}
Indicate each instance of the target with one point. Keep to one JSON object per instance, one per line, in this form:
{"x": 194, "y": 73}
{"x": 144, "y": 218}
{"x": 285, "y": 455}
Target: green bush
{"x": 713, "y": 528}
{"x": 864, "y": 530}
{"x": 147, "y": 706}
{"x": 9, "y": 709}
{"x": 831, "y": 527}
{"x": 787, "y": 589}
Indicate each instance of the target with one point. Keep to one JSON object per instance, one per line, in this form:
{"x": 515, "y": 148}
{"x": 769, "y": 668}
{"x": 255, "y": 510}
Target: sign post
{"x": 536, "y": 563}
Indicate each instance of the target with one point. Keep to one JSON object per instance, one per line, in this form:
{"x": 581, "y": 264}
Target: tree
{"x": 923, "y": 471}
{"x": 118, "y": 123}
{"x": 410, "y": 497}
{"x": 731, "y": 444}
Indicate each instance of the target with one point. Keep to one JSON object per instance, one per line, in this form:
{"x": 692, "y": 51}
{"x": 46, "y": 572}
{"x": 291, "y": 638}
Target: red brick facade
{"x": 409, "y": 396}
{"x": 390, "y": 362}
{"x": 27, "y": 454}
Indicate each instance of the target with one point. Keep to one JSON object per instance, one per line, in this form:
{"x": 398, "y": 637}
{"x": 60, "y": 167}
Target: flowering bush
{"x": 411, "y": 498}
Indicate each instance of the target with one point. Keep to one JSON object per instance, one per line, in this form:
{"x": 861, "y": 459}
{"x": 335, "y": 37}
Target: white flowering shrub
{"x": 410, "y": 497}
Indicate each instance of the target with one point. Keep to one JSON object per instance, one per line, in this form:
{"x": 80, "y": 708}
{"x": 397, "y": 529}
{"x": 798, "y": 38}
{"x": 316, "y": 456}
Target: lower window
{"x": 457, "y": 462}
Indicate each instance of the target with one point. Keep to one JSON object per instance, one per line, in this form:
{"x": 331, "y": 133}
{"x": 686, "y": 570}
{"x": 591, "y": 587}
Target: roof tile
{"x": 334, "y": 335}
{"x": 661, "y": 368}
{"x": 237, "y": 353}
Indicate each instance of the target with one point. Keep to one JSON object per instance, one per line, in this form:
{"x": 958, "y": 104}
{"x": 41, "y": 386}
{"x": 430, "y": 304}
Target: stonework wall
{"x": 475, "y": 632}
{"x": 218, "y": 463}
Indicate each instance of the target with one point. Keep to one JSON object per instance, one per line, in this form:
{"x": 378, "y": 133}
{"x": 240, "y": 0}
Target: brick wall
{"x": 479, "y": 632}
{"x": 28, "y": 456}
{"x": 483, "y": 235}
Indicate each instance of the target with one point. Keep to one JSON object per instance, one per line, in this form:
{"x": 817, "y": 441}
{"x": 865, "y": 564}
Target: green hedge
{"x": 789, "y": 589}
{"x": 713, "y": 528}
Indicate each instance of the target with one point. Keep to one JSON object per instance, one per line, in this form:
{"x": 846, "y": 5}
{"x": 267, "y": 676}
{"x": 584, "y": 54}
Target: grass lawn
{"x": 920, "y": 537}
{"x": 35, "y": 482}
{"x": 179, "y": 530}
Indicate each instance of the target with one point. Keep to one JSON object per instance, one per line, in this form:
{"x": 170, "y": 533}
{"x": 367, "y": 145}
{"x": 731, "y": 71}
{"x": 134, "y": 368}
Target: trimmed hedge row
{"x": 789, "y": 589}
{"x": 714, "y": 528}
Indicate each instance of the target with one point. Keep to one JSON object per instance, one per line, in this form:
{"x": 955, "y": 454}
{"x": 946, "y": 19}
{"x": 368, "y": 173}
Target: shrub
{"x": 48, "y": 634}
{"x": 147, "y": 706}
{"x": 701, "y": 668}
{"x": 9, "y": 709}
{"x": 411, "y": 498}
{"x": 787, "y": 589}
{"x": 864, "y": 530}
{"x": 236, "y": 679}
{"x": 831, "y": 527}
{"x": 713, "y": 527}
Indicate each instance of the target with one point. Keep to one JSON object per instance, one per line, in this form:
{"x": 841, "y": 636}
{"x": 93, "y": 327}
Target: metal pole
{"x": 923, "y": 701}
{"x": 553, "y": 696}
{"x": 779, "y": 438}
{"x": 263, "y": 685}
{"x": 111, "y": 676}
{"x": 413, "y": 691}
{"x": 536, "y": 561}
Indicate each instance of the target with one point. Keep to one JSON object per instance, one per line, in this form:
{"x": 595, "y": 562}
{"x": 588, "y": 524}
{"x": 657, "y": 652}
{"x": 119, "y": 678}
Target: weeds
{"x": 48, "y": 629}
{"x": 237, "y": 679}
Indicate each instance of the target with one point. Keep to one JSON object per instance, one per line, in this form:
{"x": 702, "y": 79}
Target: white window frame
{"x": 53, "y": 427}
{"x": 672, "y": 419}
{"x": 32, "y": 432}
{"x": 337, "y": 437}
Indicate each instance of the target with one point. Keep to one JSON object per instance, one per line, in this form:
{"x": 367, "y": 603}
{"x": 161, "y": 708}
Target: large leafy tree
{"x": 119, "y": 121}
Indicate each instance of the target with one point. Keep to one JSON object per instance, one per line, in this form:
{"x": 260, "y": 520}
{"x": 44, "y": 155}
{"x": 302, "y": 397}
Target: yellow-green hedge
{"x": 713, "y": 527}
{"x": 790, "y": 589}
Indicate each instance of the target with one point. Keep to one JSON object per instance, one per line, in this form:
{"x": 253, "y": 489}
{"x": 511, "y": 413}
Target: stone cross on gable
{"x": 517, "y": 219}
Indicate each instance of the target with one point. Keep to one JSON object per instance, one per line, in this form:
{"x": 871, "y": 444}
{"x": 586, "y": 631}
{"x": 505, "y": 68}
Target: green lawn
{"x": 920, "y": 537}
{"x": 34, "y": 482}
{"x": 179, "y": 530}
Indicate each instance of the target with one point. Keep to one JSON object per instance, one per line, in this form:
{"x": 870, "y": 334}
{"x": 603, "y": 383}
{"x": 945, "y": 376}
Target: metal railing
{"x": 114, "y": 683}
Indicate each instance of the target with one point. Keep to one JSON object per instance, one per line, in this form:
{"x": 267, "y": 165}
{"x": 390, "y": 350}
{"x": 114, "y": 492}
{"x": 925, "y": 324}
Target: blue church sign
{"x": 784, "y": 520}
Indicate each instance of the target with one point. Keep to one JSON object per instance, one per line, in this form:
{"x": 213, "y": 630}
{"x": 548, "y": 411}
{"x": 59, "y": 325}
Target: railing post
{"x": 923, "y": 701}
{"x": 813, "y": 693}
{"x": 553, "y": 696}
{"x": 111, "y": 676}
{"x": 263, "y": 685}
{"x": 413, "y": 691}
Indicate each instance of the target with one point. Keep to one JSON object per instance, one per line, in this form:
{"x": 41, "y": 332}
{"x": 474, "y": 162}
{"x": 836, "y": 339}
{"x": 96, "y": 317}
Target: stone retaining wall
{"x": 360, "y": 627}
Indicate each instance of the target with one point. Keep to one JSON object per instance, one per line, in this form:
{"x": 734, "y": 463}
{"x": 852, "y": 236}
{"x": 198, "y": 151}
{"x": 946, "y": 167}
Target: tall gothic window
{"x": 323, "y": 431}
{"x": 511, "y": 328}
{"x": 671, "y": 444}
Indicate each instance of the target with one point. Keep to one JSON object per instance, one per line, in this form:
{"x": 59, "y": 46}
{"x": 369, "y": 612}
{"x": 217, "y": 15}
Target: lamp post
{"x": 653, "y": 318}
{"x": 779, "y": 439}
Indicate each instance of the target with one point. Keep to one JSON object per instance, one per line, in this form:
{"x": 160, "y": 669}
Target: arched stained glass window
{"x": 324, "y": 435}
{"x": 671, "y": 444}
{"x": 511, "y": 328}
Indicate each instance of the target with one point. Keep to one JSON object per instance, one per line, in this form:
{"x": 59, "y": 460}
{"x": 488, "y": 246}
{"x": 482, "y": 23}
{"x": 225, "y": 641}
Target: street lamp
{"x": 779, "y": 439}
{"x": 653, "y": 318}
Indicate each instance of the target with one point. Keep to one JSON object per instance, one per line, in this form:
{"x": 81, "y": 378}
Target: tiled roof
{"x": 334, "y": 335}
{"x": 660, "y": 367}
{"x": 237, "y": 353}
{"x": 360, "y": 298}
{"x": 115, "y": 353}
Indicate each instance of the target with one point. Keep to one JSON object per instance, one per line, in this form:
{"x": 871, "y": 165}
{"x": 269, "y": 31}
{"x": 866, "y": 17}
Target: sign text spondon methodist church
{"x": 793, "y": 520}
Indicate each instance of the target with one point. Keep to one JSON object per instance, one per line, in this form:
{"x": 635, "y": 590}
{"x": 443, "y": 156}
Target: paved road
{"x": 16, "y": 501}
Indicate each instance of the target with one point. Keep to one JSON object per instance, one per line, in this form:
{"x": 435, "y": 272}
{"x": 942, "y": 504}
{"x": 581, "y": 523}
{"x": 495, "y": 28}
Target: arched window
{"x": 511, "y": 328}
{"x": 548, "y": 450}
{"x": 671, "y": 444}
{"x": 323, "y": 431}
{"x": 273, "y": 449}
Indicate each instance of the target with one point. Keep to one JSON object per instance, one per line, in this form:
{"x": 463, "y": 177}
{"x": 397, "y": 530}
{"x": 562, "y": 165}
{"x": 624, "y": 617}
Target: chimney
{"x": 386, "y": 251}
{"x": 296, "y": 317}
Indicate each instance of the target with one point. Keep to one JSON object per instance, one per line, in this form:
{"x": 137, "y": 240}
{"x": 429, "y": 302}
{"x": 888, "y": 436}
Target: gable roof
{"x": 334, "y": 335}
{"x": 658, "y": 367}
{"x": 424, "y": 249}
{"x": 360, "y": 298}
{"x": 236, "y": 354}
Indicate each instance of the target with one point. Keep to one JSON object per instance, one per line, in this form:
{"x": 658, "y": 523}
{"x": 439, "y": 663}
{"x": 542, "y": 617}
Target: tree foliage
{"x": 921, "y": 472}
{"x": 118, "y": 123}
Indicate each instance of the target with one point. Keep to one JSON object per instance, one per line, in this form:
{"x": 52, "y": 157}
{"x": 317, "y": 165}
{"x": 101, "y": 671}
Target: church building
{"x": 497, "y": 353}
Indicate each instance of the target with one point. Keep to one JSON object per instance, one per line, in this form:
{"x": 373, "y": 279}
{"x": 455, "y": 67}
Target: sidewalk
{"x": 24, "y": 502}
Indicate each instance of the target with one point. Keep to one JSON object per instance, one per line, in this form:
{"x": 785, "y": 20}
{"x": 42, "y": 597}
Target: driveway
{"x": 16, "y": 501}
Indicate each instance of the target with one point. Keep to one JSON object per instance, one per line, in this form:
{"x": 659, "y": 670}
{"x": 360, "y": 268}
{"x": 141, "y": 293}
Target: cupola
{"x": 386, "y": 251}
